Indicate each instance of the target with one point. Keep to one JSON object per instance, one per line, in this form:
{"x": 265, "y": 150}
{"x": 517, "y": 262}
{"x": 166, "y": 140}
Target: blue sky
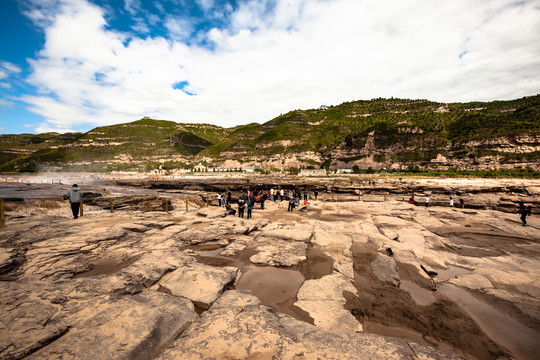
{"x": 72, "y": 65}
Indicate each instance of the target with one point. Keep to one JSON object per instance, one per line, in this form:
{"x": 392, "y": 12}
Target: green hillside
{"x": 139, "y": 139}
{"x": 399, "y": 130}
{"x": 322, "y": 130}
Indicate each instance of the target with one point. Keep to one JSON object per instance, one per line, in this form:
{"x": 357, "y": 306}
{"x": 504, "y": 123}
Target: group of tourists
{"x": 248, "y": 199}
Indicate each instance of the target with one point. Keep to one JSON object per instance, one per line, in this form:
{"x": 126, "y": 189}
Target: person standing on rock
{"x": 315, "y": 193}
{"x": 74, "y": 196}
{"x": 524, "y": 211}
{"x": 249, "y": 207}
{"x": 305, "y": 194}
{"x": 263, "y": 199}
{"x": 219, "y": 199}
{"x": 282, "y": 194}
{"x": 291, "y": 204}
{"x": 426, "y": 200}
{"x": 451, "y": 202}
{"x": 272, "y": 194}
{"x": 241, "y": 206}
{"x": 229, "y": 196}
{"x": 411, "y": 200}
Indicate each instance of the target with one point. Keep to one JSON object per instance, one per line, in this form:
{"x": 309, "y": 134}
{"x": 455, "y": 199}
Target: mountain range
{"x": 377, "y": 134}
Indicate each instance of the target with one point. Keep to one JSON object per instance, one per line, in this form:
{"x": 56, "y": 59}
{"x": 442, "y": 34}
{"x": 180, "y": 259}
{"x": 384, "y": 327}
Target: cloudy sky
{"x": 72, "y": 65}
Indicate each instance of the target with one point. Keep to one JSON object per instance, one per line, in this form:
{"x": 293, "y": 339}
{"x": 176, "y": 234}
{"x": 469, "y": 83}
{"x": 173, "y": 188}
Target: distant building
{"x": 344, "y": 171}
{"x": 313, "y": 172}
{"x": 200, "y": 168}
{"x": 251, "y": 168}
{"x": 323, "y": 107}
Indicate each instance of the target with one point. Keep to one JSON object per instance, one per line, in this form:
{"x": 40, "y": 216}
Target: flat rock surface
{"x": 320, "y": 283}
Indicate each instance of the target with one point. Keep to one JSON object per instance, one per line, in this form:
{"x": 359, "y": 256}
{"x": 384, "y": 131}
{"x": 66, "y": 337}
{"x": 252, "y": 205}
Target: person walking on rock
{"x": 74, "y": 196}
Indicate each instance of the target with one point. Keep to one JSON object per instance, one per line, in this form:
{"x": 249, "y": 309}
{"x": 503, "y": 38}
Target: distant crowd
{"x": 248, "y": 198}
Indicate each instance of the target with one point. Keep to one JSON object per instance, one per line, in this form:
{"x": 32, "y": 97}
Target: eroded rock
{"x": 200, "y": 283}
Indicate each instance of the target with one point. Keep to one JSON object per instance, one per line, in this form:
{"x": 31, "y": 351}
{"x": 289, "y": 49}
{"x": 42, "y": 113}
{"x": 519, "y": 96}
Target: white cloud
{"x": 205, "y": 4}
{"x": 10, "y": 67}
{"x": 179, "y": 29}
{"x": 132, "y": 6}
{"x": 282, "y": 55}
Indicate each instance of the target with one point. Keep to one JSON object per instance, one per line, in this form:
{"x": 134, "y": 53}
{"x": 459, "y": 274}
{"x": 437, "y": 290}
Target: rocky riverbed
{"x": 345, "y": 279}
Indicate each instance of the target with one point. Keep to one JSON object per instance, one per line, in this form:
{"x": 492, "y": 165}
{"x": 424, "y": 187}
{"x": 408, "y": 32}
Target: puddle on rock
{"x": 317, "y": 265}
{"x": 276, "y": 288}
{"x": 209, "y": 253}
{"x": 522, "y": 341}
{"x": 107, "y": 266}
{"x": 419, "y": 295}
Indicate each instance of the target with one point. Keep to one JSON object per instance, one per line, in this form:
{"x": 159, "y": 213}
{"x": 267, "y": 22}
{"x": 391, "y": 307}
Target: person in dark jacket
{"x": 263, "y": 199}
{"x": 524, "y": 211}
{"x": 74, "y": 196}
{"x": 250, "y": 207}
{"x": 241, "y": 206}
{"x": 291, "y": 204}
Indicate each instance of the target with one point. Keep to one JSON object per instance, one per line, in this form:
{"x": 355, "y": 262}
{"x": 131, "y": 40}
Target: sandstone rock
{"x": 384, "y": 267}
{"x": 46, "y": 310}
{"x": 237, "y": 326}
{"x": 146, "y": 271}
{"x": 132, "y": 328}
{"x": 239, "y": 244}
{"x": 202, "y": 234}
{"x": 26, "y": 326}
{"x": 526, "y": 304}
{"x": 472, "y": 281}
{"x": 324, "y": 296}
{"x": 326, "y": 235}
{"x": 279, "y": 252}
{"x": 297, "y": 232}
{"x": 202, "y": 284}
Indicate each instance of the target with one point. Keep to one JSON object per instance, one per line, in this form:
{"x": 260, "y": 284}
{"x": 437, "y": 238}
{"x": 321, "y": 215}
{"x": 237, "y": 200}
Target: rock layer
{"x": 144, "y": 285}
